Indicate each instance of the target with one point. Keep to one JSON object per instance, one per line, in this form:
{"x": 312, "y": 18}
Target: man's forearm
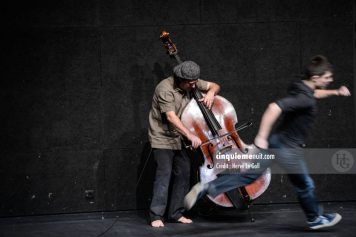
{"x": 320, "y": 93}
{"x": 213, "y": 88}
{"x": 177, "y": 123}
{"x": 269, "y": 117}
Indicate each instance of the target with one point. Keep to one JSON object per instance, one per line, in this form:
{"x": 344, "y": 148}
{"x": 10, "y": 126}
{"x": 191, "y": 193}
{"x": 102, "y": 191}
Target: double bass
{"x": 216, "y": 129}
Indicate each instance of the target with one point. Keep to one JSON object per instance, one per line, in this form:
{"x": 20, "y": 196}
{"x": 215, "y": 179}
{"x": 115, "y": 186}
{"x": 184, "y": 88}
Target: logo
{"x": 342, "y": 161}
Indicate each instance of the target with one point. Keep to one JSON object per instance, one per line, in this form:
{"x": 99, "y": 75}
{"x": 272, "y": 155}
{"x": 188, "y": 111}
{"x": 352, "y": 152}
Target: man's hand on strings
{"x": 208, "y": 99}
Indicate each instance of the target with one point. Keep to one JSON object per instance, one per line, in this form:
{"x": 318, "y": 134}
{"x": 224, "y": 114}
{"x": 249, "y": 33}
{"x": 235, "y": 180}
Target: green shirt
{"x": 168, "y": 97}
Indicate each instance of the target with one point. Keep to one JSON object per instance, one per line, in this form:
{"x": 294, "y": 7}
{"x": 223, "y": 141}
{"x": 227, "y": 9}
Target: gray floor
{"x": 271, "y": 220}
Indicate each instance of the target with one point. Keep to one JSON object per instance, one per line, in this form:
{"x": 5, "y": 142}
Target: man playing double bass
{"x": 165, "y": 132}
{"x": 297, "y": 111}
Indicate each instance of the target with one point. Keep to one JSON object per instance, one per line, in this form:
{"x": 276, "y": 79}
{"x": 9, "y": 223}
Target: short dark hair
{"x": 317, "y": 66}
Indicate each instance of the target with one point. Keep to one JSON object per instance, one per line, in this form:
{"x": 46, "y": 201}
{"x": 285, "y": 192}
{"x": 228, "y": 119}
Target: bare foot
{"x": 157, "y": 223}
{"x": 185, "y": 220}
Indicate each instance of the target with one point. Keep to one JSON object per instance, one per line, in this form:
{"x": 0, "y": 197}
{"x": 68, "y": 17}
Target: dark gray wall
{"x": 78, "y": 78}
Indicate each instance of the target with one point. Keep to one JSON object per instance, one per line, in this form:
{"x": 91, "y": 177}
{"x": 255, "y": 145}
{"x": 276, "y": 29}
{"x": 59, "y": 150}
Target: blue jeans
{"x": 290, "y": 158}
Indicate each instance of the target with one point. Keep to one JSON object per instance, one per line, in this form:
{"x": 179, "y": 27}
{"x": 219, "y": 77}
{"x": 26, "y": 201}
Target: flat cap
{"x": 187, "y": 70}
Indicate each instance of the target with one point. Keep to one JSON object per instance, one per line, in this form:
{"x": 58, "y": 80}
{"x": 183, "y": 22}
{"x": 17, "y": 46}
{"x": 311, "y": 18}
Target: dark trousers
{"x": 291, "y": 159}
{"x": 173, "y": 167}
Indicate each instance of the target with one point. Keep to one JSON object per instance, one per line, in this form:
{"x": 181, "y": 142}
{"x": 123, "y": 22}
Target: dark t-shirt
{"x": 298, "y": 112}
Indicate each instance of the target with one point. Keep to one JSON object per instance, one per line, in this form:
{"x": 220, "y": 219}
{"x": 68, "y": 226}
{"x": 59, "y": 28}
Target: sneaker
{"x": 194, "y": 194}
{"x": 325, "y": 220}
